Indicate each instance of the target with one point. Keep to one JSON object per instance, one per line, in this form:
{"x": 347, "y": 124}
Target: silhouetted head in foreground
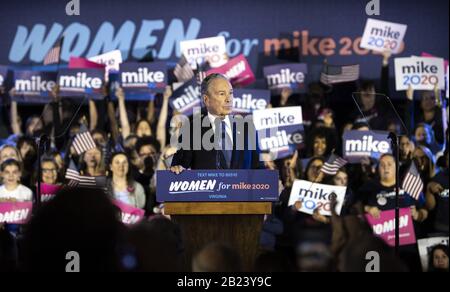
{"x": 153, "y": 246}
{"x": 79, "y": 220}
{"x": 216, "y": 257}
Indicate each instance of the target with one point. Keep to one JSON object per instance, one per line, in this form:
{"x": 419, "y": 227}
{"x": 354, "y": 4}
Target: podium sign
{"x": 217, "y": 186}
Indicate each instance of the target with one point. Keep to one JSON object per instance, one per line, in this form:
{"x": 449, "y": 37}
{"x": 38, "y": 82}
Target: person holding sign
{"x": 221, "y": 150}
{"x": 12, "y": 190}
{"x": 379, "y": 194}
{"x": 49, "y": 171}
{"x": 123, "y": 187}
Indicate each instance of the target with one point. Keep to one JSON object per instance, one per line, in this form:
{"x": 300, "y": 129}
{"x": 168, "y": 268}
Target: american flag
{"x": 53, "y": 56}
{"x": 183, "y": 70}
{"x": 332, "y": 74}
{"x": 75, "y": 179}
{"x": 412, "y": 183}
{"x": 83, "y": 141}
{"x": 333, "y": 164}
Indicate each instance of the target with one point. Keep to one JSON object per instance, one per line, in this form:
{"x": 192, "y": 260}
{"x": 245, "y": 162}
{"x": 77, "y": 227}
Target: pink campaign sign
{"x": 15, "y": 213}
{"x": 82, "y": 63}
{"x": 130, "y": 214}
{"x": 384, "y": 227}
{"x": 48, "y": 191}
{"x": 237, "y": 70}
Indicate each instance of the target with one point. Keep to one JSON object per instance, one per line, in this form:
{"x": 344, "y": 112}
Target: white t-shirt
{"x": 21, "y": 193}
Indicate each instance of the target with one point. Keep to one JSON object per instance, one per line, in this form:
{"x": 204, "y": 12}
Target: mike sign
{"x": 33, "y": 86}
{"x": 360, "y": 144}
{"x": 280, "y": 130}
{"x": 383, "y": 36}
{"x": 80, "y": 82}
{"x": 111, "y": 60}
{"x": 237, "y": 70}
{"x": 316, "y": 196}
{"x": 212, "y": 50}
{"x": 286, "y": 76}
{"x": 217, "y": 186}
{"x": 421, "y": 73}
{"x": 384, "y": 226}
{"x": 140, "y": 80}
{"x": 186, "y": 98}
{"x": 245, "y": 101}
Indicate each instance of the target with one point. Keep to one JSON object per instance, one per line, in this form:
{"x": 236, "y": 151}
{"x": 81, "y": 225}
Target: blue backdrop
{"x": 29, "y": 29}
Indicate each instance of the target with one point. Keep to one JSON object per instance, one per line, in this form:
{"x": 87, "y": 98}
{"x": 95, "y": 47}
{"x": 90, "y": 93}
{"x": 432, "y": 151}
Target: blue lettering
{"x": 175, "y": 34}
{"x": 76, "y": 39}
{"x": 105, "y": 41}
{"x": 34, "y": 42}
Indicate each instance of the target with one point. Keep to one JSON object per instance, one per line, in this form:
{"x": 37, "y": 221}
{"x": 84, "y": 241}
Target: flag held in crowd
{"x": 412, "y": 183}
{"x": 83, "y": 141}
{"x": 334, "y": 163}
{"x": 75, "y": 179}
{"x": 333, "y": 74}
{"x": 54, "y": 55}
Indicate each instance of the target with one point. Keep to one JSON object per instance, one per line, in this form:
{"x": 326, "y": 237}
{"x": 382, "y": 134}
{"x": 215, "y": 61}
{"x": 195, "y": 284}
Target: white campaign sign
{"x": 422, "y": 73}
{"x": 316, "y": 196}
{"x": 199, "y": 51}
{"x": 383, "y": 36}
{"x": 425, "y": 245}
{"x": 277, "y": 117}
{"x": 111, "y": 60}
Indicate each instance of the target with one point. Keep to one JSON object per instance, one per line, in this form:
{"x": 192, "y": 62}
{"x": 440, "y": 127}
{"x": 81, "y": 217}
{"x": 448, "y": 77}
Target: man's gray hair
{"x": 207, "y": 81}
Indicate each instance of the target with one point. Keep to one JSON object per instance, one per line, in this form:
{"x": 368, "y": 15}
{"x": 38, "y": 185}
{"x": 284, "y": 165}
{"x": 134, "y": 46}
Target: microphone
{"x": 44, "y": 146}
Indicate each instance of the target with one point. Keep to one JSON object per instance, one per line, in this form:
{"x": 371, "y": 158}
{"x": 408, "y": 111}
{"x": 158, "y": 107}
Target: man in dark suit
{"x": 218, "y": 140}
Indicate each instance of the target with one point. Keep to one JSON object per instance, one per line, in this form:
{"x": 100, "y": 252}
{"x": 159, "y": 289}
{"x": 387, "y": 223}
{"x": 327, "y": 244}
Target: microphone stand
{"x": 42, "y": 147}
{"x": 43, "y": 142}
{"x": 395, "y": 151}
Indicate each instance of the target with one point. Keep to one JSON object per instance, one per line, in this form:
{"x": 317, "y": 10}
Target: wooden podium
{"x": 235, "y": 223}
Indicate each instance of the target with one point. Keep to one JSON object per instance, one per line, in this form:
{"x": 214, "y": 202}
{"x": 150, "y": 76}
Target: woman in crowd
{"x": 92, "y": 162}
{"x": 121, "y": 183}
{"x": 438, "y": 259}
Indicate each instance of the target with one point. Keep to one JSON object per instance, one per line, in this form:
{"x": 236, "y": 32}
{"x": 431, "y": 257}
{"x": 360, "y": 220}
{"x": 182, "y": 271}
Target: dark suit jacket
{"x": 206, "y": 159}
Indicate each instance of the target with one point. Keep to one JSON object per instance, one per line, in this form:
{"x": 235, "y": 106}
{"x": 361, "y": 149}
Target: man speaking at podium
{"x": 224, "y": 141}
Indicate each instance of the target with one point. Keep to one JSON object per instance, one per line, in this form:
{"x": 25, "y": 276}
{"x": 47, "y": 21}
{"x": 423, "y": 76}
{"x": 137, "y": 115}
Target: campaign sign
{"x": 280, "y": 130}
{"x": 316, "y": 196}
{"x": 186, "y": 98}
{"x": 425, "y": 246}
{"x": 33, "y": 86}
{"x": 82, "y": 63}
{"x": 245, "y": 101}
{"x": 49, "y": 191}
{"x": 80, "y": 82}
{"x": 360, "y": 144}
{"x": 237, "y": 70}
{"x": 286, "y": 76}
{"x": 384, "y": 226}
{"x": 212, "y": 50}
{"x": 383, "y": 36}
{"x": 140, "y": 81}
{"x": 427, "y": 55}
{"x": 129, "y": 214}
{"x": 421, "y": 73}
{"x": 15, "y": 213}
{"x": 217, "y": 186}
{"x": 111, "y": 60}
